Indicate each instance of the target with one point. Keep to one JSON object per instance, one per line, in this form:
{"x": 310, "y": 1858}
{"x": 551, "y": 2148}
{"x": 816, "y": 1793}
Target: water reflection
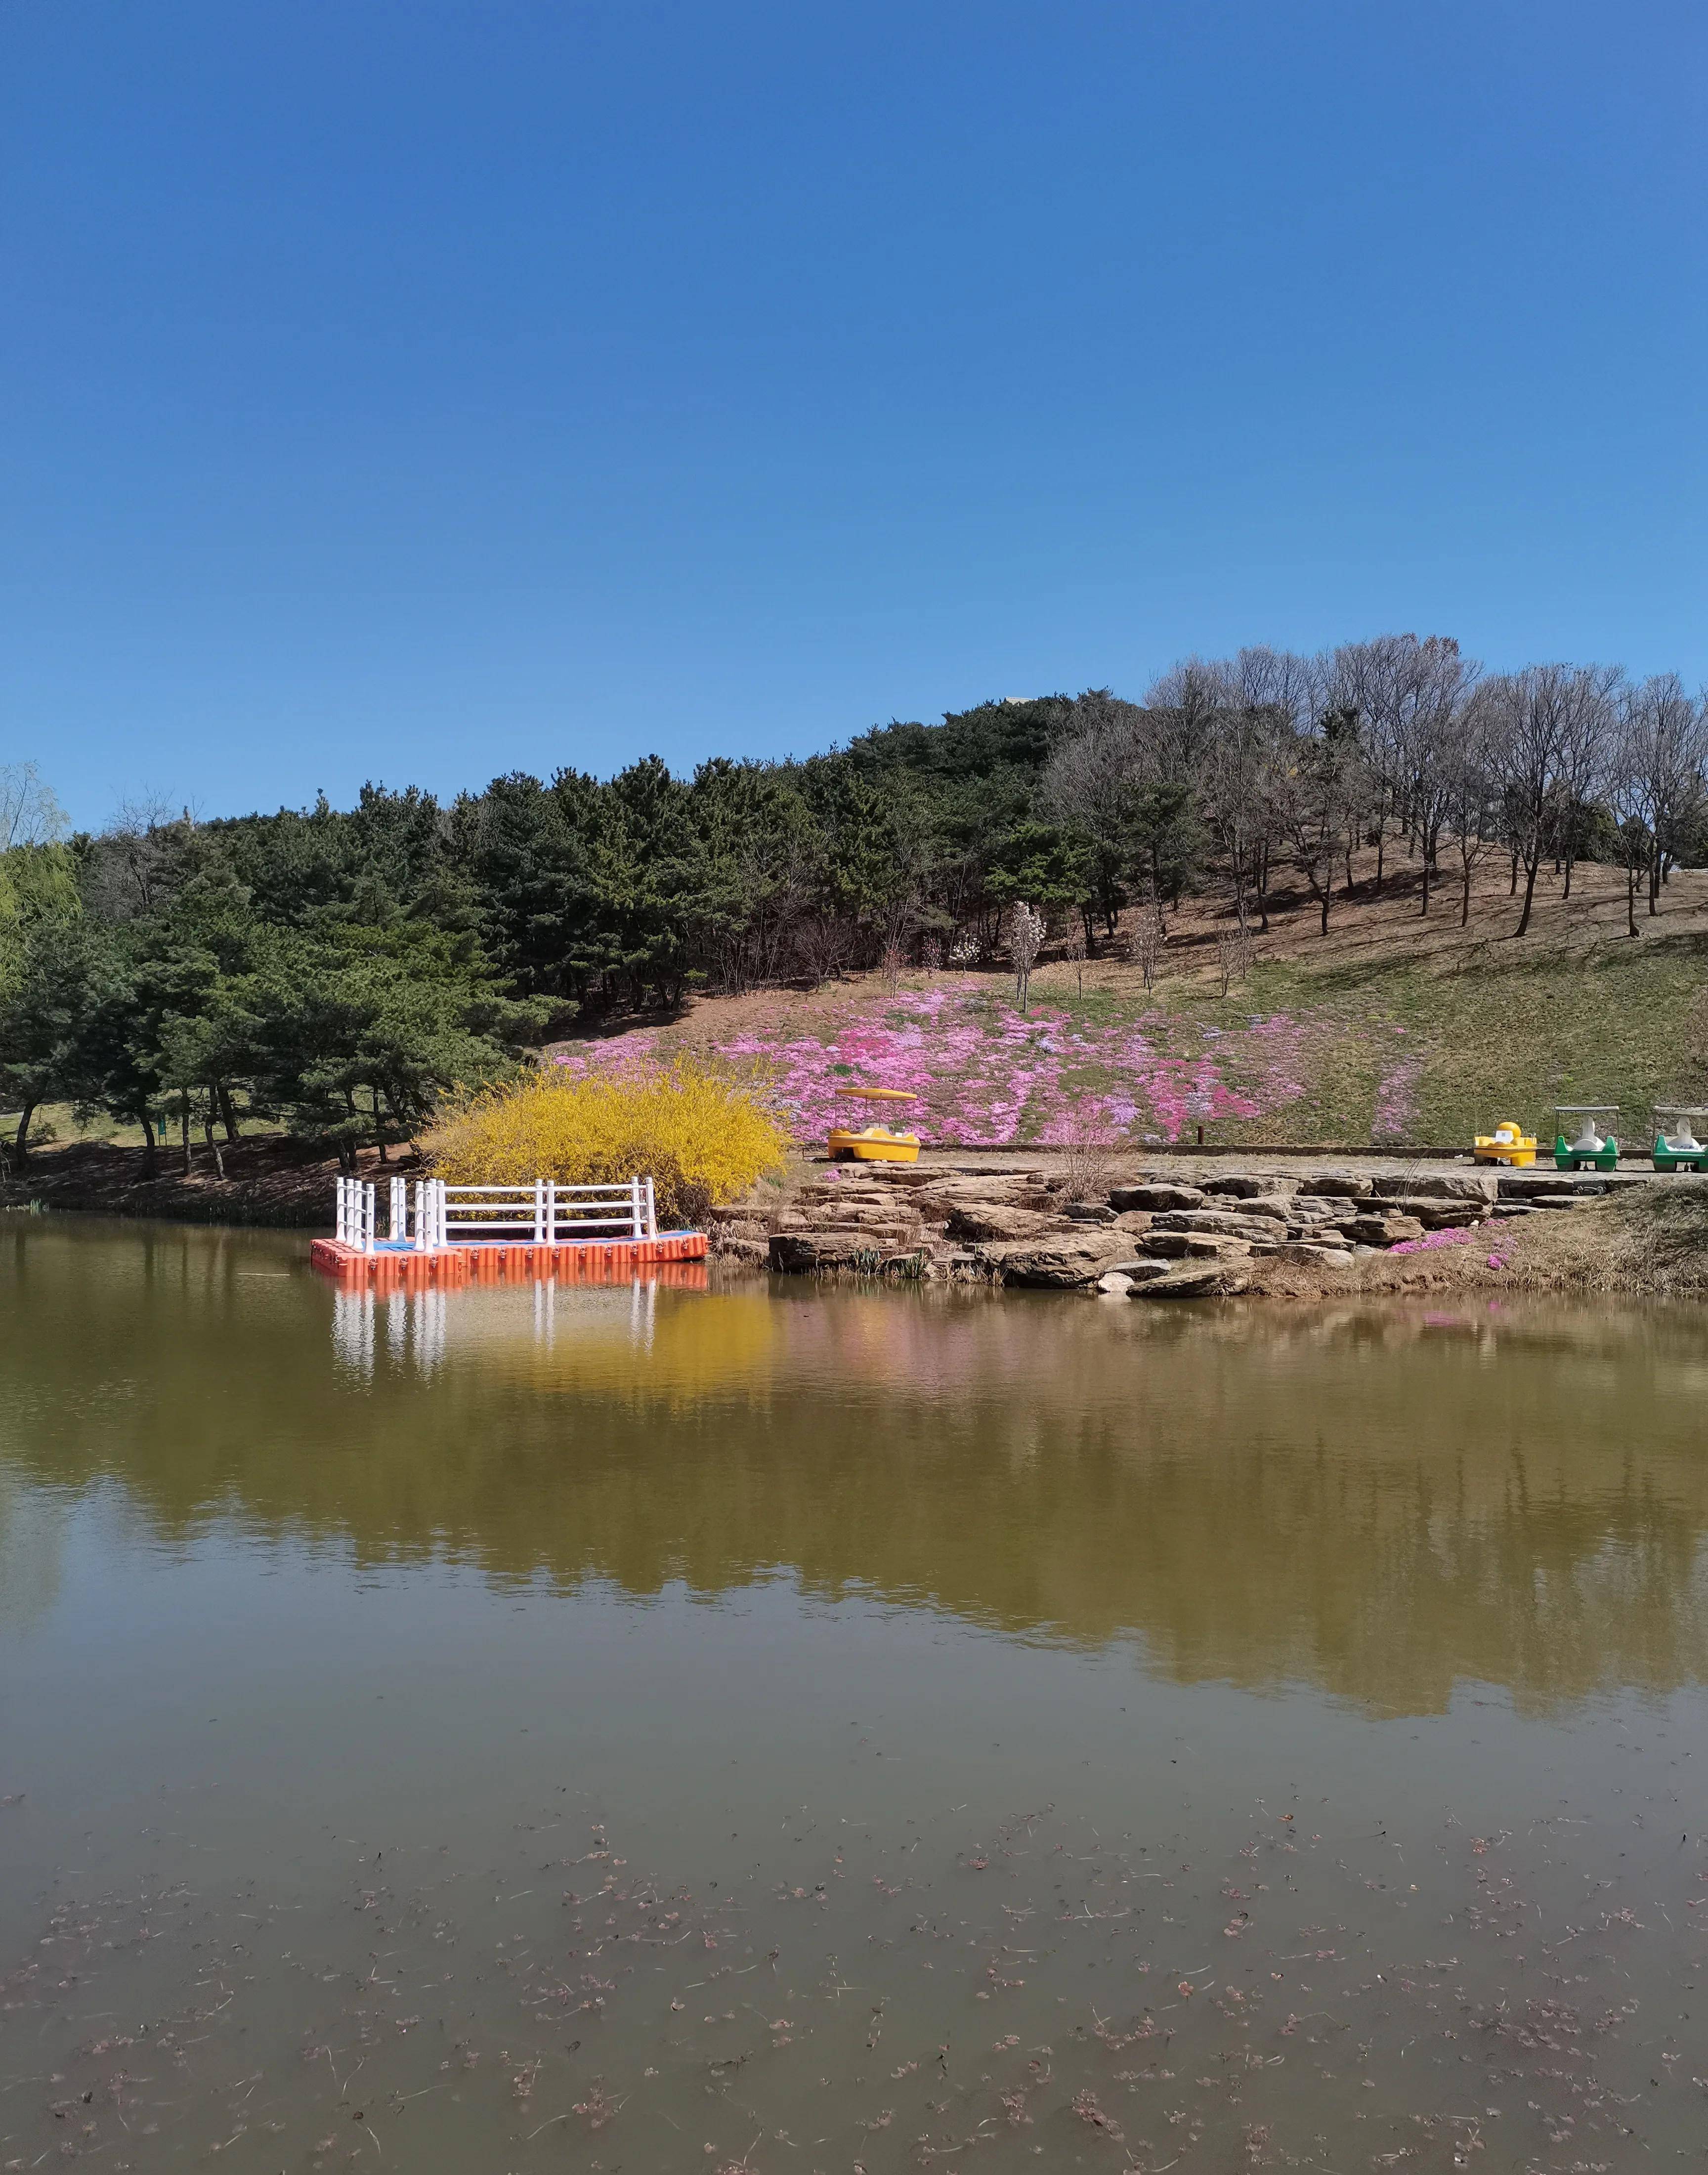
{"x": 1382, "y": 1502}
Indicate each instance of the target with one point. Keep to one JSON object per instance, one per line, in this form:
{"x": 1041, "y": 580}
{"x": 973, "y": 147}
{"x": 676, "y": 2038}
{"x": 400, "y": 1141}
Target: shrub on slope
{"x": 700, "y": 1136}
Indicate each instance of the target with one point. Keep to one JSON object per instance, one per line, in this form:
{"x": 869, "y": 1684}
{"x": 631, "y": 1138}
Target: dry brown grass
{"x": 1643, "y": 1242}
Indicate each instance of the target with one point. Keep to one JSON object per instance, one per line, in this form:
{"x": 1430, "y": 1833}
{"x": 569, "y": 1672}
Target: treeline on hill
{"x": 334, "y": 971}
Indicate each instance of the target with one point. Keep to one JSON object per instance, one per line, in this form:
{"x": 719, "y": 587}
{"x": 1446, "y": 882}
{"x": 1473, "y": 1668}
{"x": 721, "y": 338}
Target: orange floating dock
{"x": 672, "y": 1256}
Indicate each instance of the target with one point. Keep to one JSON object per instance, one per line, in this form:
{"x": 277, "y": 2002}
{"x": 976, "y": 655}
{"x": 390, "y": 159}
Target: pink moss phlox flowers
{"x": 1432, "y": 1239}
{"x": 986, "y": 1073}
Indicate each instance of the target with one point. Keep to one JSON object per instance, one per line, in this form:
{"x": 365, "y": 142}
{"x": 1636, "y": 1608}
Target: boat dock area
{"x": 448, "y": 1235}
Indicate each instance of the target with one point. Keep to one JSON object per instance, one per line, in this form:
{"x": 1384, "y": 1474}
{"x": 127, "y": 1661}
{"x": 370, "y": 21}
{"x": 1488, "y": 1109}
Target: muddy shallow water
{"x": 794, "y": 1730}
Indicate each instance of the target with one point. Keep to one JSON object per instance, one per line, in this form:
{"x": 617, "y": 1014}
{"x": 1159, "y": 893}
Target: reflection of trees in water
{"x": 30, "y": 1544}
{"x": 1382, "y": 1502}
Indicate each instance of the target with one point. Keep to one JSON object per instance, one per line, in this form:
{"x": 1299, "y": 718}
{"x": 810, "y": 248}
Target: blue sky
{"x": 422, "y": 391}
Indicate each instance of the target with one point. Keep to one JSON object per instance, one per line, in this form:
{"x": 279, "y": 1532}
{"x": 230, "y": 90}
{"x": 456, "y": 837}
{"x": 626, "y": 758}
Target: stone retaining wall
{"x": 1159, "y": 1234}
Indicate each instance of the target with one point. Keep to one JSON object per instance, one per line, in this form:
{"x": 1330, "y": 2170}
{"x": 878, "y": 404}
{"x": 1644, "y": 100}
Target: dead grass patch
{"x": 1643, "y": 1242}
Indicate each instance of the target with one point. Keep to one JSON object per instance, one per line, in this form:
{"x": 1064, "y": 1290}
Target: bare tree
{"x": 1318, "y": 790}
{"x": 1663, "y": 754}
{"x": 1534, "y": 716}
{"x": 824, "y": 946}
{"x": 30, "y": 816}
{"x": 1184, "y": 711}
{"x": 1092, "y": 781}
{"x": 1148, "y": 942}
{"x": 1471, "y": 798}
{"x": 1233, "y": 956}
{"x": 1410, "y": 696}
{"x": 1628, "y": 791}
{"x": 1074, "y": 948}
{"x": 133, "y": 859}
{"x": 1247, "y": 703}
{"x": 1356, "y": 680}
{"x": 1590, "y": 746}
{"x": 1278, "y": 691}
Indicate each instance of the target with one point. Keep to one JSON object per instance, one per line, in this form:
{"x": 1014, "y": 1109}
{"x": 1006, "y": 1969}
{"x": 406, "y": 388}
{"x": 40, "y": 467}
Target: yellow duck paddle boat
{"x": 1508, "y": 1143}
{"x": 874, "y": 1143}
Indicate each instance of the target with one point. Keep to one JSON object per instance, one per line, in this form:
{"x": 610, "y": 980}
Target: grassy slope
{"x": 1392, "y": 1028}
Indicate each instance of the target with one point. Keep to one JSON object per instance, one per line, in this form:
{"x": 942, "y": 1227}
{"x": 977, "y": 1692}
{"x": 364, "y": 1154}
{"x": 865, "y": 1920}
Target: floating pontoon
{"x": 452, "y": 1233}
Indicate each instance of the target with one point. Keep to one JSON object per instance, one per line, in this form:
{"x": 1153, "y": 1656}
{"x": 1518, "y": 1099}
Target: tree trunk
{"x": 1324, "y": 894}
{"x": 151, "y": 1159}
{"x": 1655, "y": 881}
{"x": 1465, "y": 898}
{"x": 1426, "y": 886}
{"x": 1381, "y": 849}
{"x": 212, "y": 1145}
{"x": 228, "y": 1112}
{"x": 1630, "y": 898}
{"x": 184, "y": 1127}
{"x": 1512, "y": 888}
{"x": 21, "y": 1140}
{"x": 379, "y": 1123}
{"x": 1566, "y": 894}
{"x": 1530, "y": 870}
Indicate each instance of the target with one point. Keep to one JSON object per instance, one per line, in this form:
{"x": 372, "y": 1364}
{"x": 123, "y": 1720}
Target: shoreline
{"x": 971, "y": 1216}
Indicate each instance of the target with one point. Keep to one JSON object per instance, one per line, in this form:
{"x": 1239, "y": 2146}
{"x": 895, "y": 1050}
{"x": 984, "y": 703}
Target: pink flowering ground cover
{"x": 1431, "y": 1240}
{"x": 1396, "y": 1097}
{"x": 987, "y": 1074}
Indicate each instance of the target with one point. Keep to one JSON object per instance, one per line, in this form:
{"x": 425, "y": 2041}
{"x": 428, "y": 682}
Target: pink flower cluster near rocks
{"x": 1397, "y": 1098}
{"x": 1431, "y": 1239}
{"x": 986, "y": 1074}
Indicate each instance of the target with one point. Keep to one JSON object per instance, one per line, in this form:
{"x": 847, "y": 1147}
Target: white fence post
{"x": 369, "y": 1216}
{"x": 652, "y": 1211}
{"x": 635, "y": 1204}
{"x": 540, "y": 1211}
{"x": 397, "y": 1216}
{"x": 551, "y": 1212}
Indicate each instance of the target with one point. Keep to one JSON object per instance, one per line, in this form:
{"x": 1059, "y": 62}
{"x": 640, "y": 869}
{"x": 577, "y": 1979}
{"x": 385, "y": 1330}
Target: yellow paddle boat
{"x": 874, "y": 1143}
{"x": 1508, "y": 1143}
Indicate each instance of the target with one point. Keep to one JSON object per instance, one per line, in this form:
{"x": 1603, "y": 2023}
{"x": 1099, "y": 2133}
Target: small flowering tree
{"x": 1025, "y": 940}
{"x": 1147, "y": 943}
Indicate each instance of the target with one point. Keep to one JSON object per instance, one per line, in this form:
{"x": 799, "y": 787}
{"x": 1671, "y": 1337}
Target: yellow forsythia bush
{"x": 700, "y": 1136}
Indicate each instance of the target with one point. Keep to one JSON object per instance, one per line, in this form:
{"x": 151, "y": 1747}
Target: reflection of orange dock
{"x": 674, "y": 1257}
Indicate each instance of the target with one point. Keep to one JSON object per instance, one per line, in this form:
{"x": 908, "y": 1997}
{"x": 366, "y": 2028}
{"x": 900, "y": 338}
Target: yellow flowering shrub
{"x": 703, "y": 1135}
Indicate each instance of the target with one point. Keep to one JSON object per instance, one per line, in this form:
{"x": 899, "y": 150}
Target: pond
{"x": 778, "y": 1728}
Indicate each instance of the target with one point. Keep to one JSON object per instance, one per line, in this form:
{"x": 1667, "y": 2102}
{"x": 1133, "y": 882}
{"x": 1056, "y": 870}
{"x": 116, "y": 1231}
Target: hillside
{"x": 1390, "y": 1029}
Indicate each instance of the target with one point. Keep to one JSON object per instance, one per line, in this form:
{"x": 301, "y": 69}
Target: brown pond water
{"x": 777, "y": 1729}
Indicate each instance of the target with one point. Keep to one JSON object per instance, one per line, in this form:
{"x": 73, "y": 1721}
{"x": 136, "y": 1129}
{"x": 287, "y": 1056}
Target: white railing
{"x": 356, "y": 1223}
{"x": 543, "y": 1214}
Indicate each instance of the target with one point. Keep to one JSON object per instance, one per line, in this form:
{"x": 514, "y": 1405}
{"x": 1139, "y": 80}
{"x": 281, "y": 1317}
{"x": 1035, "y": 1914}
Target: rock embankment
{"x": 1153, "y": 1237}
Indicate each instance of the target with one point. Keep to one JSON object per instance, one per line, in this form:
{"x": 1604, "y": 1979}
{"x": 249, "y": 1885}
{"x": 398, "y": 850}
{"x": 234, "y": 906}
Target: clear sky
{"x": 421, "y": 390}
